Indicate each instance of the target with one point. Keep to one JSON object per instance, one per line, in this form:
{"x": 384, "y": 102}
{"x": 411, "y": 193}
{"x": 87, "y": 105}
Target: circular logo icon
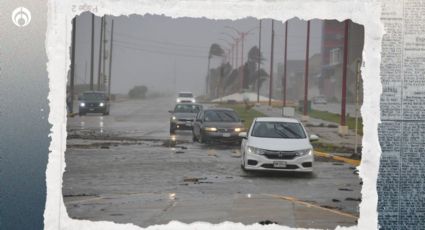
{"x": 21, "y": 17}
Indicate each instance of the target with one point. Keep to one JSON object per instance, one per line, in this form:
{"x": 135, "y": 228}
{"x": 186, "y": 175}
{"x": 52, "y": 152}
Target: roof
{"x": 185, "y": 103}
{"x": 278, "y": 119}
{"x": 219, "y": 108}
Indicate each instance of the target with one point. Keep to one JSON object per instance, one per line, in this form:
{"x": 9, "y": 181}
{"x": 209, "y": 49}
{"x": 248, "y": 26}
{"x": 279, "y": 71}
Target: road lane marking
{"x": 309, "y": 205}
{"x": 337, "y": 158}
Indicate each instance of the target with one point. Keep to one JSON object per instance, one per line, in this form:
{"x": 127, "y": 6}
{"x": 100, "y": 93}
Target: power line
{"x": 189, "y": 52}
{"x": 161, "y": 42}
{"x": 158, "y": 52}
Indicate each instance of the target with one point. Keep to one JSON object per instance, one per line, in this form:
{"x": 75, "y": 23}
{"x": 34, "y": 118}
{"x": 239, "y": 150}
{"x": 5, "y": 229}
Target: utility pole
{"x": 208, "y": 81}
{"x": 343, "y": 129}
{"x": 305, "y": 110}
{"x": 271, "y": 67}
{"x": 110, "y": 58}
{"x": 100, "y": 54}
{"x": 71, "y": 82}
{"x": 104, "y": 57}
{"x": 92, "y": 53}
{"x": 233, "y": 55}
{"x": 359, "y": 62}
{"x": 242, "y": 64}
{"x": 285, "y": 62}
{"x": 259, "y": 65}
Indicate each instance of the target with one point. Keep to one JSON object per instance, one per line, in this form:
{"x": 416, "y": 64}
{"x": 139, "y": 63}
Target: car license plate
{"x": 91, "y": 109}
{"x": 226, "y": 134}
{"x": 279, "y": 164}
{"x": 188, "y": 123}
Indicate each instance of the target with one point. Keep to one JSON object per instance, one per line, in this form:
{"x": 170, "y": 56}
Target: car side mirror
{"x": 80, "y": 98}
{"x": 314, "y": 137}
{"x": 243, "y": 135}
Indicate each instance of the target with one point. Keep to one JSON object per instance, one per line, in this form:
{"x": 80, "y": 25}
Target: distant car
{"x": 217, "y": 124}
{"x": 185, "y": 97}
{"x": 183, "y": 116}
{"x": 276, "y": 143}
{"x": 93, "y": 102}
{"x": 320, "y": 100}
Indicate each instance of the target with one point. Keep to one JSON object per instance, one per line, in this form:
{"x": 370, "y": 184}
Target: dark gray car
{"x": 183, "y": 115}
{"x": 93, "y": 102}
{"x": 217, "y": 124}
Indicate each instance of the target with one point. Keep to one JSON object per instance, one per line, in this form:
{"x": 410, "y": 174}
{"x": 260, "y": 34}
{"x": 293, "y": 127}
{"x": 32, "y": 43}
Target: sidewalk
{"x": 327, "y": 131}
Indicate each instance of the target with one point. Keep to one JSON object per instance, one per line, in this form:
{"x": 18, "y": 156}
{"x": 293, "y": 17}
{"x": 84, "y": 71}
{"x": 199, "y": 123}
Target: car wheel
{"x": 172, "y": 131}
{"x": 194, "y": 139}
{"x": 243, "y": 162}
{"x": 201, "y": 139}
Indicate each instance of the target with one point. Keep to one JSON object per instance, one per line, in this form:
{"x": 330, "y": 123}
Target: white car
{"x": 277, "y": 143}
{"x": 320, "y": 100}
{"x": 183, "y": 97}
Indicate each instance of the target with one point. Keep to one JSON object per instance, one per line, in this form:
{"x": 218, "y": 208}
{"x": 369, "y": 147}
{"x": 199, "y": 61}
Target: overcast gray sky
{"x": 151, "y": 50}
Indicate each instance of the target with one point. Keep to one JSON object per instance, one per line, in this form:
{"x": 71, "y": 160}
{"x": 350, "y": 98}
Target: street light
{"x": 242, "y": 39}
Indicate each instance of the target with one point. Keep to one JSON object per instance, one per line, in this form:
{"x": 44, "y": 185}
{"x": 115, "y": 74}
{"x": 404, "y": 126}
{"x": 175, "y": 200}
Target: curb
{"x": 337, "y": 158}
{"x": 72, "y": 114}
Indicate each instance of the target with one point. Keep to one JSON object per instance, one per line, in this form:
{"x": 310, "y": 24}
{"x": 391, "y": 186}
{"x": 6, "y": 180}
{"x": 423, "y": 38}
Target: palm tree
{"x": 215, "y": 50}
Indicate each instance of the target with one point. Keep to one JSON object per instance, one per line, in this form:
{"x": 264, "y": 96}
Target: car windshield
{"x": 268, "y": 129}
{"x": 221, "y": 116}
{"x": 93, "y": 96}
{"x": 185, "y": 95}
{"x": 187, "y": 108}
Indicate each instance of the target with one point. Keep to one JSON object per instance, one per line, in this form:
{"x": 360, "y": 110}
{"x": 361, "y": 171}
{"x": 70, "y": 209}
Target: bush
{"x": 138, "y": 92}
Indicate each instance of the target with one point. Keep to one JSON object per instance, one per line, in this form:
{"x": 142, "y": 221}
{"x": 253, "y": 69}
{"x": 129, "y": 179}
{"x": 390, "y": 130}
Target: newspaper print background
{"x": 401, "y": 202}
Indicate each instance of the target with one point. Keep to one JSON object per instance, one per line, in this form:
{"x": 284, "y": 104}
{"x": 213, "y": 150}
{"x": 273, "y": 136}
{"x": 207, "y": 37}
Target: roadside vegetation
{"x": 246, "y": 113}
{"x": 332, "y": 117}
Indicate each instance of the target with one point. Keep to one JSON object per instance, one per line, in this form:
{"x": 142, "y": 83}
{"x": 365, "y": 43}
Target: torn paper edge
{"x": 60, "y": 14}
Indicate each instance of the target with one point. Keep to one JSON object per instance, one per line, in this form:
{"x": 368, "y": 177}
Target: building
{"x": 332, "y": 59}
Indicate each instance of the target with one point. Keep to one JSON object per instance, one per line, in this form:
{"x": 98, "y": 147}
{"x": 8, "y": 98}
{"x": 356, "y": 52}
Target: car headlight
{"x": 101, "y": 104}
{"x": 82, "y": 104}
{"x": 193, "y": 100}
{"x": 210, "y": 129}
{"x": 238, "y": 129}
{"x": 174, "y": 118}
{"x": 305, "y": 152}
{"x": 178, "y": 100}
{"x": 254, "y": 150}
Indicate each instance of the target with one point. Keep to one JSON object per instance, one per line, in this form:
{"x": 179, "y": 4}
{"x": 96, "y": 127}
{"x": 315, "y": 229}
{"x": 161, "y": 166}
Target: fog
{"x": 170, "y": 55}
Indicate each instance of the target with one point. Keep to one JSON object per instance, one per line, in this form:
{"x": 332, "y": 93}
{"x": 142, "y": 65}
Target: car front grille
{"x": 284, "y": 155}
{"x": 92, "y": 104}
{"x": 225, "y": 130}
{"x": 185, "y": 119}
{"x": 270, "y": 166}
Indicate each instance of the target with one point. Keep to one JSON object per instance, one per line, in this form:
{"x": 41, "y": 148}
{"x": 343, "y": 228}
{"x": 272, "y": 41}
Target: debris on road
{"x": 267, "y": 222}
{"x": 353, "y": 199}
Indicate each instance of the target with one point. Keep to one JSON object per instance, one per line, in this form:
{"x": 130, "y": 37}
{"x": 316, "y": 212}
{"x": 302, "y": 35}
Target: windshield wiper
{"x": 296, "y": 135}
{"x": 280, "y": 132}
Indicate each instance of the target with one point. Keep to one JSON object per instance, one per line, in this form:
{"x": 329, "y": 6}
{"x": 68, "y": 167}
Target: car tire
{"x": 194, "y": 139}
{"x": 172, "y": 131}
{"x": 243, "y": 162}
{"x": 201, "y": 139}
{"x": 106, "y": 113}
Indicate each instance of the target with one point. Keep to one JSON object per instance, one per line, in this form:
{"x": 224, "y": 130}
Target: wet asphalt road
{"x": 123, "y": 168}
